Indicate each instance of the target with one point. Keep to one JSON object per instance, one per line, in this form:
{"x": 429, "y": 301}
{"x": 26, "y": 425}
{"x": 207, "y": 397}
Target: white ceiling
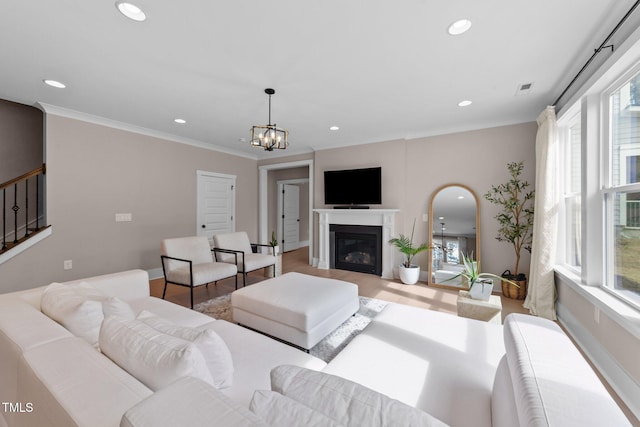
{"x": 379, "y": 69}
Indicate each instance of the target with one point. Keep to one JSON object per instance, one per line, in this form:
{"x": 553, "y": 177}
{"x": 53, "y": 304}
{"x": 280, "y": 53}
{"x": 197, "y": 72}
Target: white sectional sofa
{"x": 408, "y": 362}
{"x": 67, "y": 382}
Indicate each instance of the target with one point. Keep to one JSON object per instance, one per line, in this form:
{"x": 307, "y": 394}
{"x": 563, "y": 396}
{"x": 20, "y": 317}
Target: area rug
{"x": 331, "y": 345}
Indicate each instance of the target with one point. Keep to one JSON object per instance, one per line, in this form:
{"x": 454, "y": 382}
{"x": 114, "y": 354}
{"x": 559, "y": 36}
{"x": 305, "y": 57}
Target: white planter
{"x": 410, "y": 275}
{"x": 482, "y": 290}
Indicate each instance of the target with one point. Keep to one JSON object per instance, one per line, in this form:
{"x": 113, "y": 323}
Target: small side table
{"x": 488, "y": 311}
{"x": 268, "y": 271}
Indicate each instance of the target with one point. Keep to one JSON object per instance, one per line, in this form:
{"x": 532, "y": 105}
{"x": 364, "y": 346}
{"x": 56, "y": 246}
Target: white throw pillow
{"x": 154, "y": 358}
{"x": 214, "y": 349}
{"x": 116, "y": 307}
{"x": 344, "y": 401}
{"x": 76, "y": 307}
{"x": 279, "y": 410}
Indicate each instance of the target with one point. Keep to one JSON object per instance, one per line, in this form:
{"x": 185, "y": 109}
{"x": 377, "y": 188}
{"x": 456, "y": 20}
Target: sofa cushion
{"x": 189, "y": 402}
{"x": 279, "y": 410}
{"x": 444, "y": 362}
{"x": 344, "y": 401}
{"x": 504, "y": 412}
{"x": 173, "y": 312}
{"x": 76, "y": 307}
{"x": 154, "y": 358}
{"x": 113, "y": 306}
{"x": 553, "y": 384}
{"x": 69, "y": 383}
{"x": 254, "y": 356}
{"x": 213, "y": 348}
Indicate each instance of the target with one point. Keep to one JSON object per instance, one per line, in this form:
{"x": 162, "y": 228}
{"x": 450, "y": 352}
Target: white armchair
{"x": 187, "y": 261}
{"x": 235, "y": 248}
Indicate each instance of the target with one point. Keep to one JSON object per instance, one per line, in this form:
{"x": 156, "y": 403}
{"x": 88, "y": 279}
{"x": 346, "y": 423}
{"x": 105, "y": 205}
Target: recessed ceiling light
{"x": 460, "y": 197}
{"x": 440, "y": 217}
{"x": 334, "y": 128}
{"x": 459, "y": 27}
{"x": 55, "y": 83}
{"x": 131, "y": 11}
{"x": 464, "y": 103}
{"x": 180, "y": 121}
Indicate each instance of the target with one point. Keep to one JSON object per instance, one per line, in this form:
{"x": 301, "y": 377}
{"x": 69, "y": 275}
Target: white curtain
{"x": 541, "y": 295}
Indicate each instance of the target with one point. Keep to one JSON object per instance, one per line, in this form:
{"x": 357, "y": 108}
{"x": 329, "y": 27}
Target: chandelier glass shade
{"x": 269, "y": 137}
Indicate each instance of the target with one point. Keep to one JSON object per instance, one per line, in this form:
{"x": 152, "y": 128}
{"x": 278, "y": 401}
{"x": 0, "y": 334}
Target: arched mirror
{"x": 455, "y": 227}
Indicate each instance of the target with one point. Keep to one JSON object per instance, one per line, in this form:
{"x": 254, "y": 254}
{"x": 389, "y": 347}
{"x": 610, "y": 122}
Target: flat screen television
{"x": 353, "y": 187}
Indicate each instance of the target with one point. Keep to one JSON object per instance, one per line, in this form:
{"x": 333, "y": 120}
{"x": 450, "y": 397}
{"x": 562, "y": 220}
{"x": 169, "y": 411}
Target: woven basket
{"x": 511, "y": 291}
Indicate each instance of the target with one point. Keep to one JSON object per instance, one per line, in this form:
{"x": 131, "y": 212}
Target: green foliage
{"x": 516, "y": 218}
{"x": 405, "y": 245}
{"x": 473, "y": 275}
{"x": 274, "y": 240}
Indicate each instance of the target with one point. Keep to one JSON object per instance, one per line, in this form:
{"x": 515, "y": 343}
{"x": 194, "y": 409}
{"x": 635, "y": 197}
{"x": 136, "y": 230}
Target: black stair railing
{"x": 20, "y": 198}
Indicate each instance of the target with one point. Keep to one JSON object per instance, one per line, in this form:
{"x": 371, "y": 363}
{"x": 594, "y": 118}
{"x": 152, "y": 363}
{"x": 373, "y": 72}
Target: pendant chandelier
{"x": 269, "y": 137}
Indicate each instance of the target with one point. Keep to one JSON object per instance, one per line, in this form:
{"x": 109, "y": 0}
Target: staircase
{"x": 22, "y": 209}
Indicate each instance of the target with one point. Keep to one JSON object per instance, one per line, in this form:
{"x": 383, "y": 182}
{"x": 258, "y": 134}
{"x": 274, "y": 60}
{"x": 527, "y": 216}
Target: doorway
{"x": 263, "y": 171}
{"x": 291, "y": 213}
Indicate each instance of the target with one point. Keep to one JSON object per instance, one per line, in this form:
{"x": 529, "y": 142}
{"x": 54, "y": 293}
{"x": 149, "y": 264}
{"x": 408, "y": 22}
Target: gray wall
{"x": 21, "y": 139}
{"x": 413, "y": 169}
{"x": 94, "y": 172}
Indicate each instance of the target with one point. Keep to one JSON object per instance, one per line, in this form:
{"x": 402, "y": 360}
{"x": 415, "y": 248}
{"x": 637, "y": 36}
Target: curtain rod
{"x": 598, "y": 50}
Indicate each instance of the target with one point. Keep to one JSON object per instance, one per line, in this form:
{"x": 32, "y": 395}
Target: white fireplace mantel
{"x": 384, "y": 218}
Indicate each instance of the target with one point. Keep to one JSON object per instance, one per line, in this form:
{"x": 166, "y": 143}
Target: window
{"x": 622, "y": 191}
{"x": 572, "y": 144}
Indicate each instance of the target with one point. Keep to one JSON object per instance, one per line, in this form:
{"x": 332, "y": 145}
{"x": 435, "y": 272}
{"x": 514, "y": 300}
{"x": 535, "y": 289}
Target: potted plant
{"x": 274, "y": 243}
{"x": 516, "y": 224}
{"x": 409, "y": 273}
{"x": 480, "y": 284}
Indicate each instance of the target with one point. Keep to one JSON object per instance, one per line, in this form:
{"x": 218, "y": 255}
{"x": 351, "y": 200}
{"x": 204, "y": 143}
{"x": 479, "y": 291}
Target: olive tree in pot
{"x": 409, "y": 273}
{"x": 516, "y": 224}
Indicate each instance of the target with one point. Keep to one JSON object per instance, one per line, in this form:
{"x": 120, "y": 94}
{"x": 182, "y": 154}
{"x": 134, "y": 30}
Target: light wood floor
{"x": 419, "y": 295}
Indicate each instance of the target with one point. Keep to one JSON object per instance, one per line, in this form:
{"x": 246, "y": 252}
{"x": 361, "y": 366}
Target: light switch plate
{"x": 123, "y": 217}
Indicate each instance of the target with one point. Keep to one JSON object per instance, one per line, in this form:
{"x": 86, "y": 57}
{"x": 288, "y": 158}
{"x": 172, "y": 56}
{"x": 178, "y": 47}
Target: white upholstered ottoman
{"x": 296, "y": 308}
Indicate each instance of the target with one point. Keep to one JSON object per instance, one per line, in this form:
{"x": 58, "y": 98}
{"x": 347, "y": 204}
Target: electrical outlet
{"x": 596, "y": 315}
{"x": 425, "y": 217}
{"x": 68, "y": 264}
{"x": 123, "y": 217}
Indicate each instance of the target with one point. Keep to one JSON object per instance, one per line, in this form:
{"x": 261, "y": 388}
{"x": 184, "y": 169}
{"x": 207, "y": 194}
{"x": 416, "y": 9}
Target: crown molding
{"x": 102, "y": 121}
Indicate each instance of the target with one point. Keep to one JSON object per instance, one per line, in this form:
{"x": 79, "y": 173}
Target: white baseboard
{"x": 155, "y": 273}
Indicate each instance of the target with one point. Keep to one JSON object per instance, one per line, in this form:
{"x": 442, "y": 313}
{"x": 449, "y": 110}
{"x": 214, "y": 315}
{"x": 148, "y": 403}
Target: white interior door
{"x": 216, "y": 204}
{"x": 290, "y": 217}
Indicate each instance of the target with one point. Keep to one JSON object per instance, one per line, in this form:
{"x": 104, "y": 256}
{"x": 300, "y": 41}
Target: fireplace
{"x": 384, "y": 218}
{"x": 356, "y": 248}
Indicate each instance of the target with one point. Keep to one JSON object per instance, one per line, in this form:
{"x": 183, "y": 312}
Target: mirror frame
{"x": 431, "y": 224}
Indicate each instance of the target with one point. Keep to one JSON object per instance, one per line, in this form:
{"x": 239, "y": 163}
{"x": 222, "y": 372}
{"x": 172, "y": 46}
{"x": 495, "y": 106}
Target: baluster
{"x": 15, "y": 208}
{"x": 38, "y": 202}
{"x": 26, "y": 207}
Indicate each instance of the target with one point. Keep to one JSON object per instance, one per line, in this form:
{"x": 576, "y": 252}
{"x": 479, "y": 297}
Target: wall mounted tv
{"x": 353, "y": 187}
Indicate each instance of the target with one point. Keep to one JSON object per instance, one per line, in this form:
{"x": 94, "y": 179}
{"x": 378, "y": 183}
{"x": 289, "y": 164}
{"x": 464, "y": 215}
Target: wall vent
{"x": 524, "y": 89}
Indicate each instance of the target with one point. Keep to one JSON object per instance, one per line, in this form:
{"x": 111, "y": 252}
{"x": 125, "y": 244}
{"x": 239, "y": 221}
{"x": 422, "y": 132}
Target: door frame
{"x": 201, "y": 173}
{"x": 263, "y": 202}
{"x": 280, "y": 184}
